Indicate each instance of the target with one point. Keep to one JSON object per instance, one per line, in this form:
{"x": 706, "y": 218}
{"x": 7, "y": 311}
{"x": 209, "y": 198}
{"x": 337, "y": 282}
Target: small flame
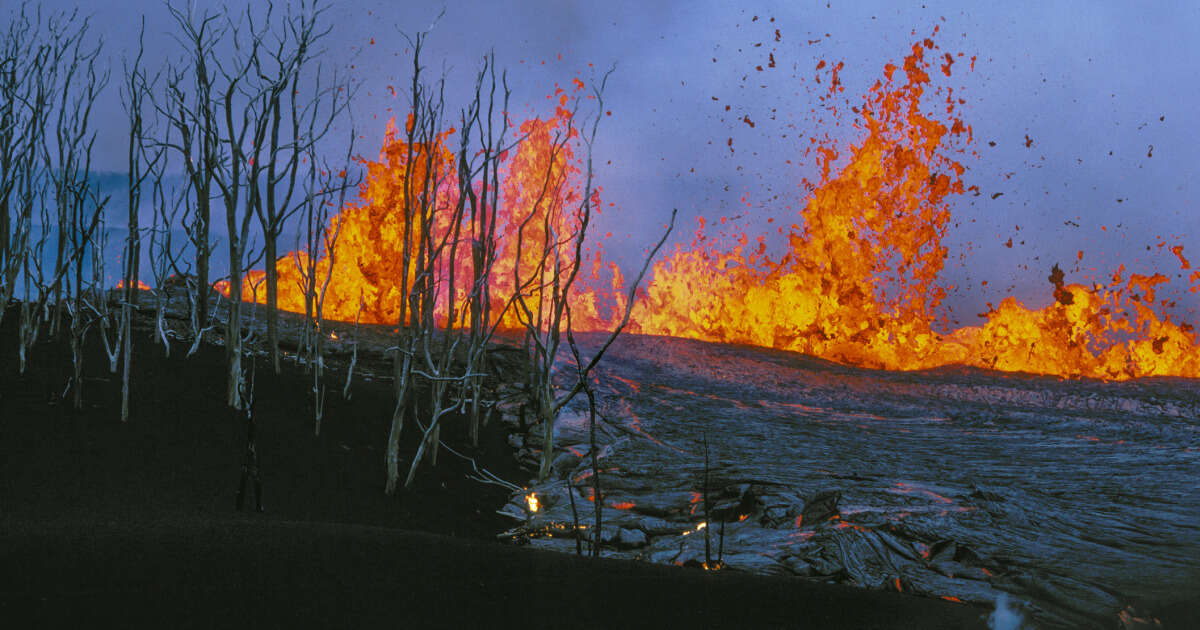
{"x": 333, "y": 336}
{"x": 531, "y": 500}
{"x": 699, "y": 527}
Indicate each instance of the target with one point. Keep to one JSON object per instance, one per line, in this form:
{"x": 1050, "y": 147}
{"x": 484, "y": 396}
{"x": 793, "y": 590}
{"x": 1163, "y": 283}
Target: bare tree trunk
{"x": 392, "y": 456}
{"x": 136, "y": 89}
{"x": 707, "y": 508}
{"x": 270, "y": 256}
{"x": 75, "y": 84}
{"x": 597, "y": 491}
{"x": 190, "y": 108}
{"x": 163, "y": 257}
{"x": 23, "y": 109}
{"x": 322, "y": 238}
{"x": 547, "y": 340}
{"x": 127, "y": 352}
{"x": 354, "y": 351}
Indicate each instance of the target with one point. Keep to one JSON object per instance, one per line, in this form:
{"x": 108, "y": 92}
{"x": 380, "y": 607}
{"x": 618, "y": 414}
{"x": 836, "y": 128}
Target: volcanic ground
{"x": 111, "y": 524}
{"x": 1075, "y": 498}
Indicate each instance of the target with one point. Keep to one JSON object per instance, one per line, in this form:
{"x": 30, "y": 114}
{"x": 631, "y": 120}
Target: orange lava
{"x": 142, "y": 286}
{"x": 541, "y": 190}
{"x": 858, "y": 284}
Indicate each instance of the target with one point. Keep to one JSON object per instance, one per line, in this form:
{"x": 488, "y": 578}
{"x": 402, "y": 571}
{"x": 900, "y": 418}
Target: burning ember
{"x": 858, "y": 284}
{"x": 531, "y": 501}
{"x": 142, "y": 286}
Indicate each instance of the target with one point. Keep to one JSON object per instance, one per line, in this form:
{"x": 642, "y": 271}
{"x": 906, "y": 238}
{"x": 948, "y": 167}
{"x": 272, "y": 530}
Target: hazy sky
{"x": 1095, "y": 85}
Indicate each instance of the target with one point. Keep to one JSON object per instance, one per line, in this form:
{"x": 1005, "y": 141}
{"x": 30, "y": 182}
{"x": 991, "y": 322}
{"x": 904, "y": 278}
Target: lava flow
{"x": 858, "y": 284}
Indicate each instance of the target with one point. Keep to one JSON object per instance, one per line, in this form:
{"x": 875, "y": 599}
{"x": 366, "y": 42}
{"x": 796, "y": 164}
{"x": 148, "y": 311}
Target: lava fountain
{"x": 859, "y": 283}
{"x": 540, "y": 193}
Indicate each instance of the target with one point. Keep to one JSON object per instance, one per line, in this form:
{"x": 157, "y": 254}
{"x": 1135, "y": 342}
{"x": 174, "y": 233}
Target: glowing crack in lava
{"x": 858, "y": 284}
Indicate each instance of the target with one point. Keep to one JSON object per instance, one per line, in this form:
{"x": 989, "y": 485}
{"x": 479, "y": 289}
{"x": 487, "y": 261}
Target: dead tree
{"x": 354, "y": 349}
{"x": 190, "y": 109}
{"x": 244, "y": 134}
{"x": 295, "y": 124}
{"x": 470, "y": 224}
{"x": 437, "y": 280}
{"x": 584, "y": 377}
{"x": 17, "y": 57}
{"x": 30, "y": 84}
{"x": 424, "y": 170}
{"x": 325, "y": 184}
{"x": 144, "y": 161}
{"x": 134, "y": 90}
{"x": 98, "y": 305}
{"x": 289, "y": 128}
{"x": 250, "y": 461}
{"x": 481, "y": 213}
{"x": 240, "y": 88}
{"x": 240, "y": 99}
{"x": 49, "y": 79}
{"x": 163, "y": 255}
{"x": 448, "y": 201}
{"x": 593, "y": 450}
{"x": 60, "y": 150}
{"x": 26, "y": 91}
{"x": 68, "y": 156}
{"x": 544, "y": 311}
{"x": 12, "y": 241}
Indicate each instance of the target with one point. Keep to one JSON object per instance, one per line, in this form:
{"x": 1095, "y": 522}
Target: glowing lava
{"x": 858, "y": 284}
{"x": 540, "y": 196}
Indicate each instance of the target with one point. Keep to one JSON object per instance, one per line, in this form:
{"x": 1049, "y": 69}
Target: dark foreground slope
{"x": 105, "y": 524}
{"x": 224, "y": 573}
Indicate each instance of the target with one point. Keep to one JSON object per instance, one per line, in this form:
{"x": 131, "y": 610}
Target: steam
{"x": 1006, "y": 616}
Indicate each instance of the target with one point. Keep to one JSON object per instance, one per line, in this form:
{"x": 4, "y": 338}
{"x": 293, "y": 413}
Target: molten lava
{"x": 858, "y": 284}
{"x": 541, "y": 200}
{"x": 142, "y": 286}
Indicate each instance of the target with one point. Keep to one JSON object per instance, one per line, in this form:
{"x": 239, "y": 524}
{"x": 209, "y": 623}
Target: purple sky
{"x": 1082, "y": 79}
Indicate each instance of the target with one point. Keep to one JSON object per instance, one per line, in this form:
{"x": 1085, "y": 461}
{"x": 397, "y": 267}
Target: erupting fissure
{"x": 858, "y": 284}
{"x": 539, "y": 191}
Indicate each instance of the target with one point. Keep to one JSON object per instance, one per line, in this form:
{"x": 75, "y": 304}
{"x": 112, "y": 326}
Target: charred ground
{"x": 134, "y": 524}
{"x": 183, "y": 449}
